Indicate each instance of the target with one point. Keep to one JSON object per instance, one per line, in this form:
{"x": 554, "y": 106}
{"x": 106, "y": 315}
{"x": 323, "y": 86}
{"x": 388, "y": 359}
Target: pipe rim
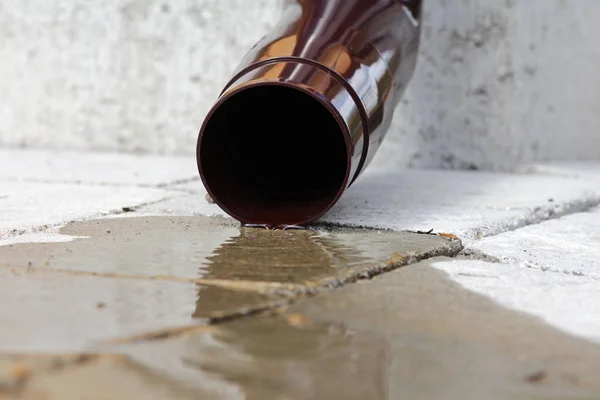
{"x": 307, "y": 90}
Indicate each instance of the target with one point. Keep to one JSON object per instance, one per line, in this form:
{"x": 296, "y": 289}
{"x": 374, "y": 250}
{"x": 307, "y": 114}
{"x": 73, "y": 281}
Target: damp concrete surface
{"x": 198, "y": 307}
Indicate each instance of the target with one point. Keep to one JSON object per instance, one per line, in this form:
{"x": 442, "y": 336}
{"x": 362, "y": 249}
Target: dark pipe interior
{"x": 273, "y": 155}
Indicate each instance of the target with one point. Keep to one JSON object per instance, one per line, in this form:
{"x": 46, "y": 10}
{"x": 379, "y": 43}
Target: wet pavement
{"x": 407, "y": 334}
{"x": 203, "y": 248}
{"x": 150, "y": 304}
{"x": 125, "y": 276}
{"x": 197, "y": 307}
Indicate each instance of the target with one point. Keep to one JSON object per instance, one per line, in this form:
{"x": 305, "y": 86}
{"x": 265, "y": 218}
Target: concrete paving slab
{"x": 570, "y": 245}
{"x": 468, "y": 204}
{"x": 195, "y": 186}
{"x": 30, "y": 207}
{"x": 568, "y": 302}
{"x": 411, "y": 333}
{"x": 549, "y": 269}
{"x": 94, "y": 168}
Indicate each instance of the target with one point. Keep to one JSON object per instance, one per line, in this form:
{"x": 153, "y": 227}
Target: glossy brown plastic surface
{"x": 308, "y": 108}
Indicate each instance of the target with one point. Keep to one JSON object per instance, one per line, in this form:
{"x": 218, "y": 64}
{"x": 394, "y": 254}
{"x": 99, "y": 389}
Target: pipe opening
{"x": 274, "y": 155}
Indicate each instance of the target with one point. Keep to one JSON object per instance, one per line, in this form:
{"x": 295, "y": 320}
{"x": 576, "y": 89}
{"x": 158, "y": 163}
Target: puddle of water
{"x": 236, "y": 270}
{"x": 267, "y": 358}
{"x": 305, "y": 256}
{"x": 198, "y": 247}
{"x": 411, "y": 333}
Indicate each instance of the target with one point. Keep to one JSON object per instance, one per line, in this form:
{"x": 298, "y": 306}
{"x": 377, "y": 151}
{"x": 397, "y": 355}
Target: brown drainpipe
{"x": 308, "y": 108}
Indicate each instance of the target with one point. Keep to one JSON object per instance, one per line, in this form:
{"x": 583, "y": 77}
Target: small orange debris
{"x": 297, "y": 320}
{"x": 20, "y": 372}
{"x": 397, "y": 259}
{"x": 119, "y": 359}
{"x": 449, "y": 235}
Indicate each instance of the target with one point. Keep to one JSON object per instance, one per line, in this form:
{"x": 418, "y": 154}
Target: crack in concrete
{"x": 211, "y": 323}
{"x": 48, "y": 227}
{"x": 161, "y": 334}
{"x": 566, "y": 272}
{"x": 36, "y": 229}
{"x": 543, "y": 213}
{"x": 537, "y": 267}
{"x": 535, "y": 216}
{"x": 540, "y": 216}
{"x": 468, "y": 254}
{"x": 172, "y": 185}
{"x": 335, "y": 225}
{"x": 477, "y": 255}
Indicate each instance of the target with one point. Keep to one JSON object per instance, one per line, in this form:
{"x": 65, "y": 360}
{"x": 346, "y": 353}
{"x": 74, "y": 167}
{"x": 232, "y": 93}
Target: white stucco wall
{"x": 498, "y": 81}
{"x": 501, "y": 82}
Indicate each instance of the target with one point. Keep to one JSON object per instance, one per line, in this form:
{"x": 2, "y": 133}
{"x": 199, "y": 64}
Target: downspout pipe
{"x": 307, "y": 109}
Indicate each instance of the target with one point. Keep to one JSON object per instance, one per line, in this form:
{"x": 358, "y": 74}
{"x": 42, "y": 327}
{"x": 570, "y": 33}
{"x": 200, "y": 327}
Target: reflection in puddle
{"x": 262, "y": 255}
{"x": 280, "y": 256}
{"x": 305, "y": 258}
{"x": 267, "y": 358}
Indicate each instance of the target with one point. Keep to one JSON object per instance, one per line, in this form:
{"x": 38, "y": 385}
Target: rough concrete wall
{"x": 498, "y": 81}
{"x": 501, "y": 82}
{"x": 130, "y": 75}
